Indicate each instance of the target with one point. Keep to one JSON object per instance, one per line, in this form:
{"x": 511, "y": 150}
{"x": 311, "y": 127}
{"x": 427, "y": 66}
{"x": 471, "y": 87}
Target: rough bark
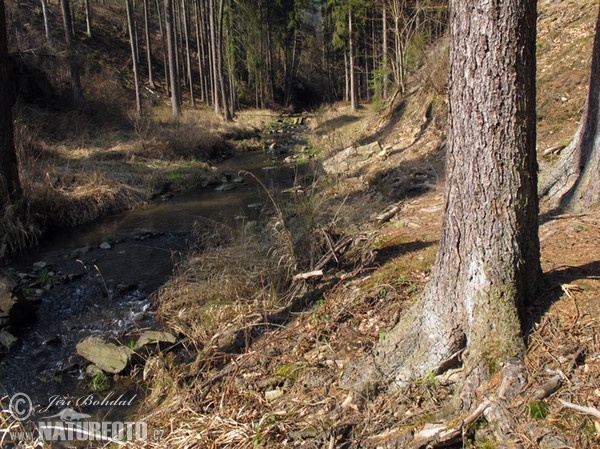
{"x": 10, "y": 187}
{"x": 173, "y": 69}
{"x": 213, "y": 56}
{"x": 132, "y": 39}
{"x": 487, "y": 266}
{"x": 164, "y": 49}
{"x": 573, "y": 183}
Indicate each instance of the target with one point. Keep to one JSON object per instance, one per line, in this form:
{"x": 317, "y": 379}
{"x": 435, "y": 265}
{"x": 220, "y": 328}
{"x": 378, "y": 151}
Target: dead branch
{"x": 310, "y": 274}
{"x": 443, "y": 437}
{"x": 580, "y": 408}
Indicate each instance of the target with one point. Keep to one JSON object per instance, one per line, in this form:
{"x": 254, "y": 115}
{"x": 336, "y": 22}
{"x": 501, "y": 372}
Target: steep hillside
{"x": 274, "y": 378}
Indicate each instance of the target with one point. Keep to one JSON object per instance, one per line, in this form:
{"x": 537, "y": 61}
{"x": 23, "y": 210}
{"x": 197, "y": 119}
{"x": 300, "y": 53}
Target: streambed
{"x": 97, "y": 280}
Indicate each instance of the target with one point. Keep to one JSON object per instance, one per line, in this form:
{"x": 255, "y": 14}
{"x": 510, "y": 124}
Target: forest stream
{"x": 98, "y": 279}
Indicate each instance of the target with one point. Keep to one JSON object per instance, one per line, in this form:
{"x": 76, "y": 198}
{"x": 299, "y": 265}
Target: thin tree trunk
{"x": 164, "y": 49}
{"x": 353, "y": 94}
{"x": 213, "y": 54}
{"x": 138, "y": 102}
{"x": 186, "y": 35}
{"x": 88, "y": 18}
{"x": 45, "y": 13}
{"x": 384, "y": 49}
{"x": 488, "y": 266}
{"x": 173, "y": 75}
{"x": 148, "y": 46}
{"x": 573, "y": 182}
{"x": 201, "y": 57}
{"x": 10, "y": 185}
{"x": 226, "y": 108}
{"x": 76, "y": 90}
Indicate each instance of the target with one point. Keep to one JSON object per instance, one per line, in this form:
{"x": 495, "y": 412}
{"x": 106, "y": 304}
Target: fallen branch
{"x": 388, "y": 214}
{"x": 441, "y": 437}
{"x": 583, "y": 409}
{"x": 310, "y": 274}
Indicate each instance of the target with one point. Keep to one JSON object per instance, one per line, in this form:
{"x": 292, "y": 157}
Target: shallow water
{"x": 106, "y": 291}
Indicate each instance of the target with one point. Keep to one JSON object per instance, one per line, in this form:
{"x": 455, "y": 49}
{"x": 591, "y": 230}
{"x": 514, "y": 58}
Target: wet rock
{"x": 107, "y": 356}
{"x": 225, "y": 187}
{"x": 105, "y": 245}
{"x": 238, "y": 180}
{"x": 13, "y": 304}
{"x": 154, "y": 338}
{"x": 7, "y": 339}
{"x": 40, "y": 265}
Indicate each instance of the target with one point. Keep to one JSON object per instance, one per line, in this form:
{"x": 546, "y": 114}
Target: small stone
{"x": 271, "y": 395}
{"x": 105, "y": 245}
{"x": 154, "y": 337}
{"x": 7, "y": 339}
{"x": 93, "y": 370}
{"x": 40, "y": 265}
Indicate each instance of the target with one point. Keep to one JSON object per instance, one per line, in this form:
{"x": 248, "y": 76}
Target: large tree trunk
{"x": 487, "y": 266}
{"x": 10, "y": 187}
{"x": 213, "y": 56}
{"x": 573, "y": 183}
{"x": 186, "y": 35}
{"x": 173, "y": 69}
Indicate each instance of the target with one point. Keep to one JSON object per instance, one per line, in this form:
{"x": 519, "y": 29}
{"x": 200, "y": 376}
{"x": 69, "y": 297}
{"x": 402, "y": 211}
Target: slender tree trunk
{"x": 573, "y": 182}
{"x": 487, "y": 267}
{"x": 46, "y": 13}
{"x": 148, "y": 45}
{"x": 186, "y": 35}
{"x": 173, "y": 75}
{"x": 76, "y": 90}
{"x": 384, "y": 50}
{"x": 88, "y": 18}
{"x": 164, "y": 48}
{"x": 138, "y": 102}
{"x": 200, "y": 53}
{"x": 226, "y": 108}
{"x": 213, "y": 54}
{"x": 353, "y": 94}
{"x": 10, "y": 186}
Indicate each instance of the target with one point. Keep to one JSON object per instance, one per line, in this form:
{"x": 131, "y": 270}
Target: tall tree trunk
{"x": 163, "y": 44}
{"x": 10, "y": 186}
{"x": 76, "y": 90}
{"x": 148, "y": 45}
{"x": 88, "y": 18}
{"x": 384, "y": 50}
{"x": 213, "y": 56}
{"x": 353, "y": 93}
{"x": 573, "y": 182}
{"x": 200, "y": 53}
{"x": 138, "y": 102}
{"x": 186, "y": 35}
{"x": 226, "y": 108}
{"x": 173, "y": 75}
{"x": 46, "y": 13}
{"x": 487, "y": 267}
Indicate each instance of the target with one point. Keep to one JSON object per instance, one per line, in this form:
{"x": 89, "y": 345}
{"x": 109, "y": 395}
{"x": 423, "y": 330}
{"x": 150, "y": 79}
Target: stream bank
{"x": 98, "y": 279}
